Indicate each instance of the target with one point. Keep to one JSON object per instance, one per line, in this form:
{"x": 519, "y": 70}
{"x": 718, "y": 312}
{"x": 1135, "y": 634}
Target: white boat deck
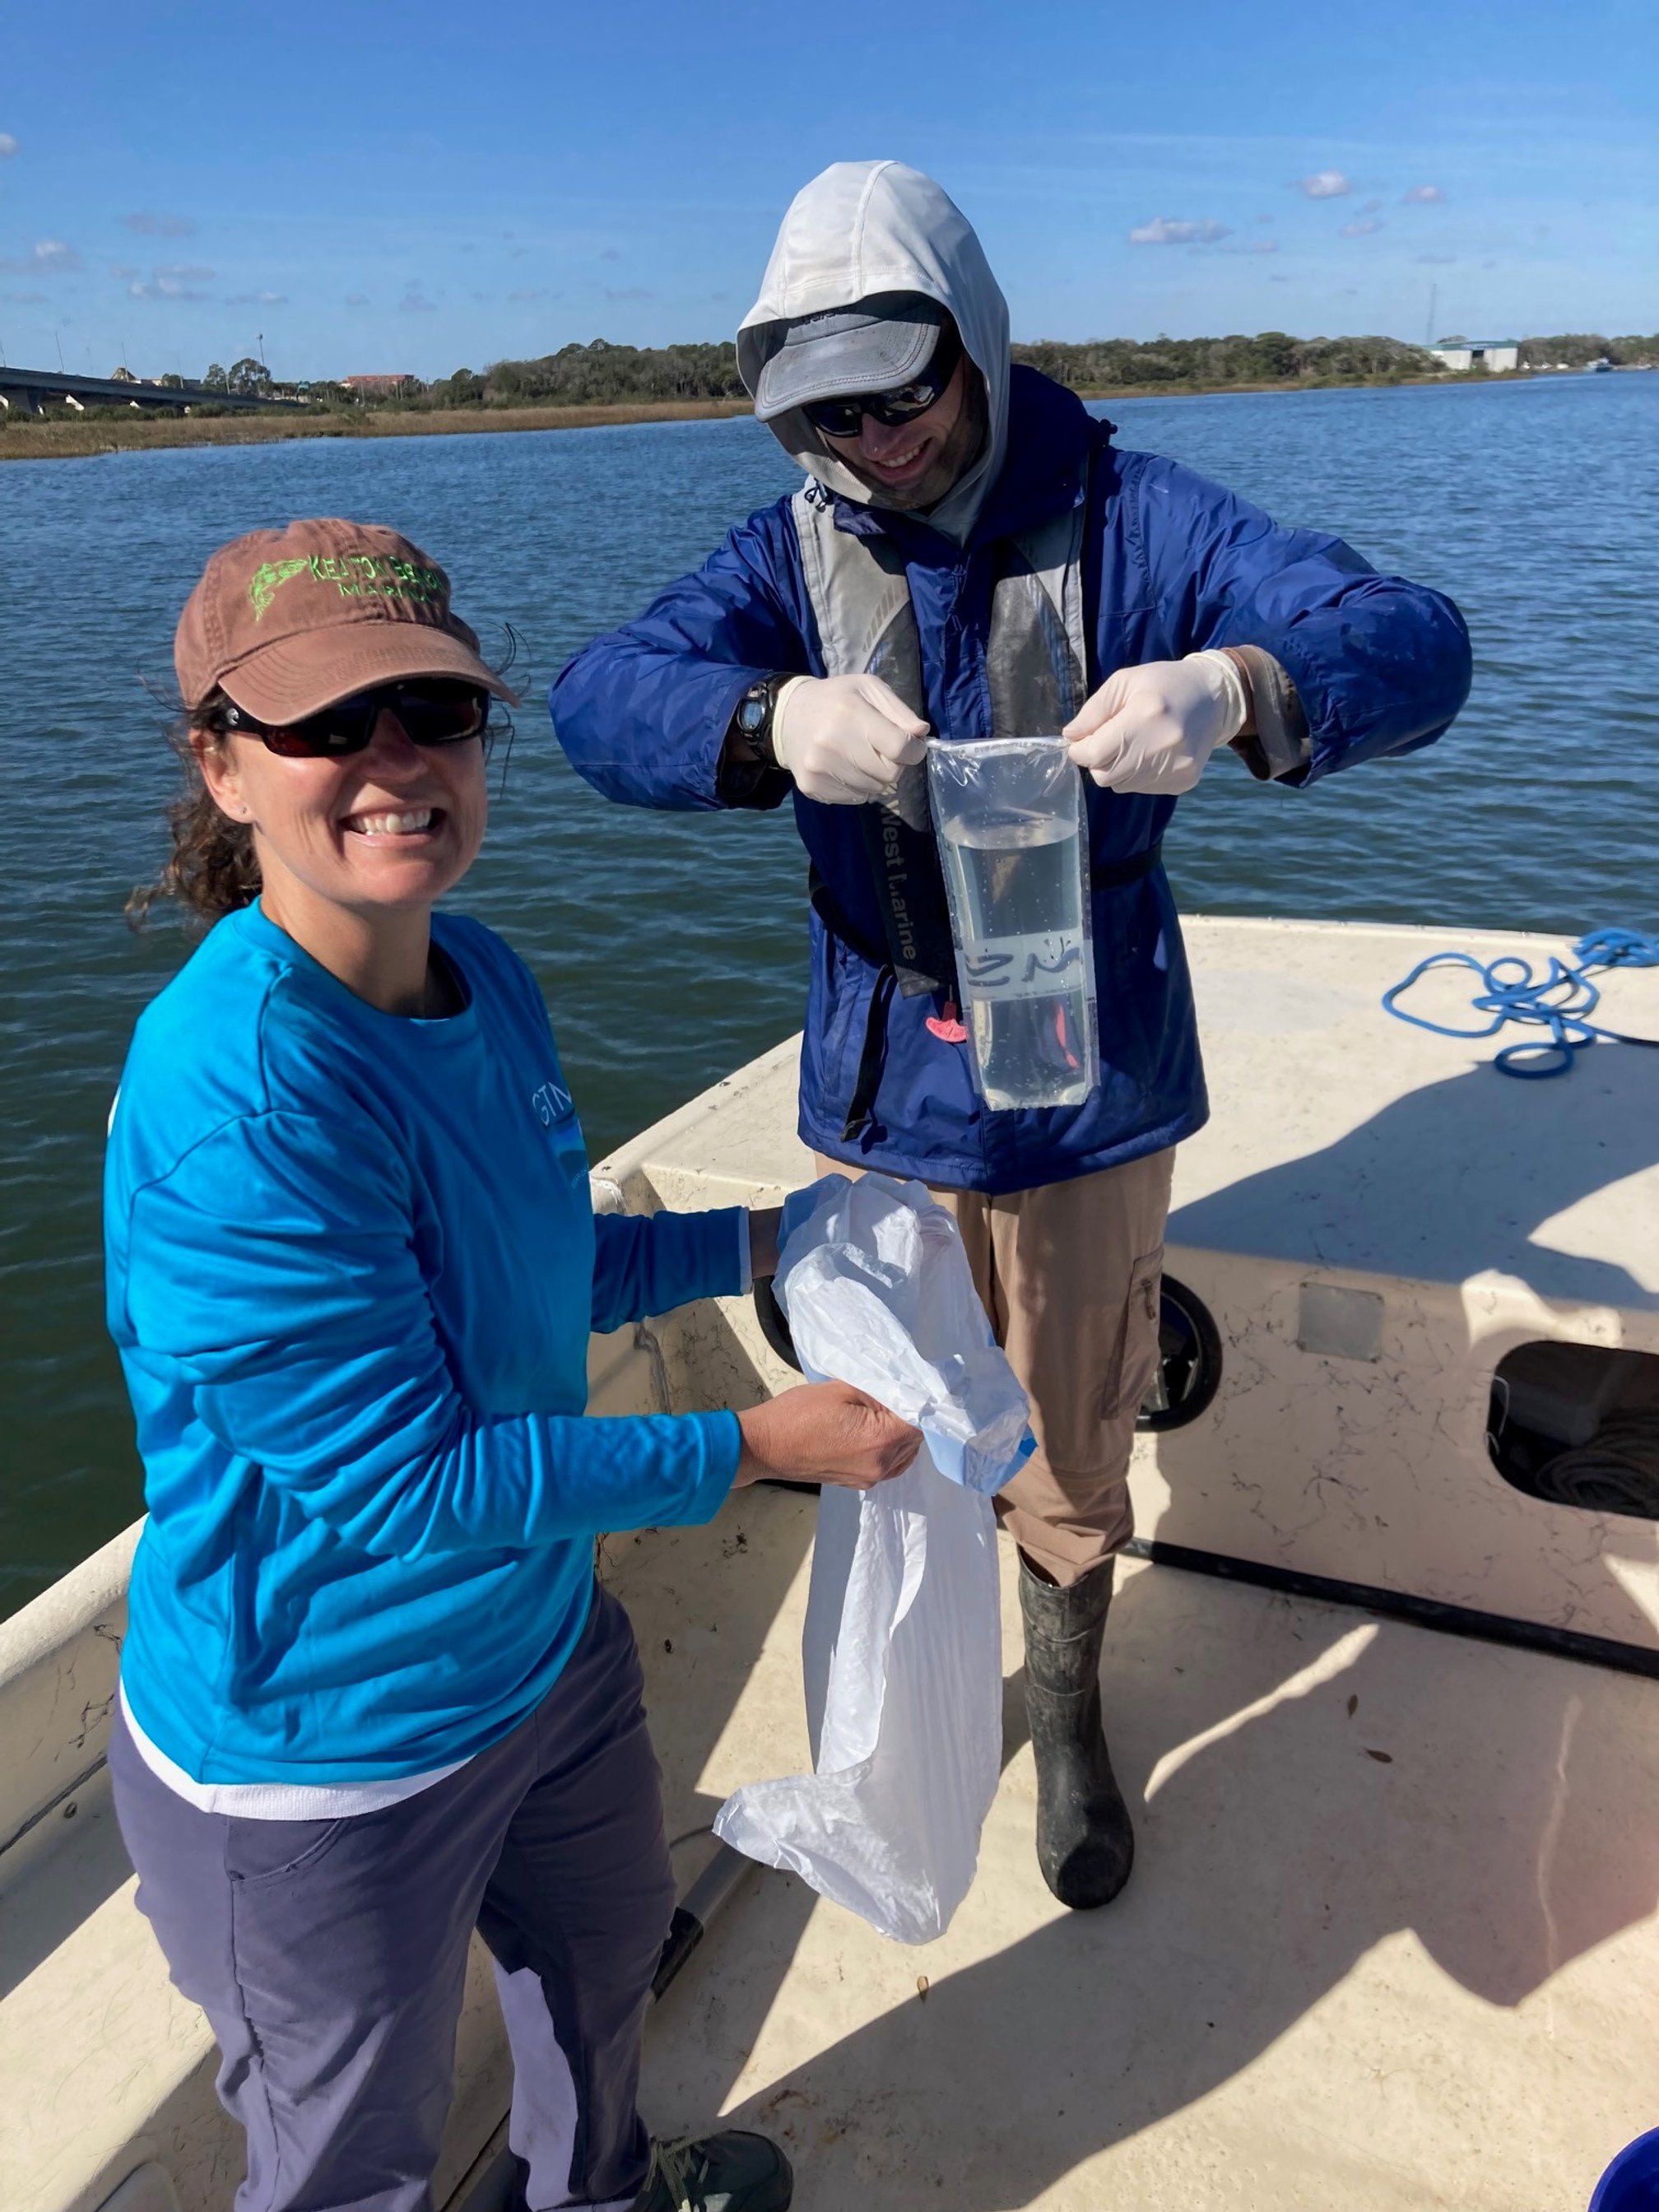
{"x": 1390, "y": 1941}
{"x": 1393, "y": 1938}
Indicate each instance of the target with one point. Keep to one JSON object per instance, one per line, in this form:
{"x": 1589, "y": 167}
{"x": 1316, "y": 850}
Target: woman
{"x": 372, "y": 1696}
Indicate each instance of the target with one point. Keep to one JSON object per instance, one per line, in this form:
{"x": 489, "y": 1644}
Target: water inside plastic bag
{"x": 1008, "y": 816}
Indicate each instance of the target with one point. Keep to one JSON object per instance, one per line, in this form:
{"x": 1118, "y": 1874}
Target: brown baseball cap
{"x": 290, "y": 621}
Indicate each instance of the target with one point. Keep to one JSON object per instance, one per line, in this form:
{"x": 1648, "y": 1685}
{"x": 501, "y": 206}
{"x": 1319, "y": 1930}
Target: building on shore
{"x": 1492, "y": 354}
{"x": 380, "y": 387}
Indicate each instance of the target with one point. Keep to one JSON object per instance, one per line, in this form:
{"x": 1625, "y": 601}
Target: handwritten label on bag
{"x": 1034, "y": 966}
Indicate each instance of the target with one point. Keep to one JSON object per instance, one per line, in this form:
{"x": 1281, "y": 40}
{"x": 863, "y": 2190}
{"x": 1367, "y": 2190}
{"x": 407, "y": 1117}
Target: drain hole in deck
{"x": 1576, "y": 1424}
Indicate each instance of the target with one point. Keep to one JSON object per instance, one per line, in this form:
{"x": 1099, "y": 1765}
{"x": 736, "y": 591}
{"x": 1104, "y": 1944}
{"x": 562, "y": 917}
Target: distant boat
{"x": 1603, "y": 367}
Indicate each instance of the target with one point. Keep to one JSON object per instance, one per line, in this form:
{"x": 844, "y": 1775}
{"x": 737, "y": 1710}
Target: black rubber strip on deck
{"x": 1401, "y": 1605}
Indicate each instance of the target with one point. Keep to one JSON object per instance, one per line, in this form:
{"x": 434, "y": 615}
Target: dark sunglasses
{"x": 432, "y": 711}
{"x": 844, "y": 418}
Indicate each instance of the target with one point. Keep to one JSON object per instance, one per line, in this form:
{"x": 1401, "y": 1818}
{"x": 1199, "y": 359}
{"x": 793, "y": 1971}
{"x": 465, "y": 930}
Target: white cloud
{"x": 51, "y": 254}
{"x": 1358, "y": 230}
{"x": 8, "y": 145}
{"x": 1324, "y": 185}
{"x": 1370, "y": 206}
{"x": 257, "y": 300}
{"x": 50, "y": 258}
{"x": 160, "y": 226}
{"x": 175, "y": 281}
{"x": 1166, "y": 230}
{"x": 1424, "y": 196}
{"x": 121, "y": 271}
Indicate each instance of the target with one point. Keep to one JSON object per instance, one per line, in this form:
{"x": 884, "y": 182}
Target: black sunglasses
{"x": 844, "y": 418}
{"x": 433, "y": 711}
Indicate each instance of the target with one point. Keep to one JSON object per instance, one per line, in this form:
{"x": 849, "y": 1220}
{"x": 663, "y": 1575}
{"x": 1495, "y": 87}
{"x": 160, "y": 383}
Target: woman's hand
{"x": 764, "y": 1240}
{"x": 824, "y": 1432}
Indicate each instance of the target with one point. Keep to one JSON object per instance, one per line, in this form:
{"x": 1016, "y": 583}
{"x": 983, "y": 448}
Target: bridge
{"x": 30, "y": 389}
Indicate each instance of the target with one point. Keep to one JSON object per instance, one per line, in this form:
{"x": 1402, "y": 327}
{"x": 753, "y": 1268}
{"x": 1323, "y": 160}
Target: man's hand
{"x": 824, "y": 1432}
{"x": 845, "y": 739}
{"x": 1152, "y": 729}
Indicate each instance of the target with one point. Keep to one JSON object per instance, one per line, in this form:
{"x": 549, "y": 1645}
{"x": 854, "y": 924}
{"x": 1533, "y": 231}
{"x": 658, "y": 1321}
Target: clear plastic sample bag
{"x": 902, "y": 1644}
{"x": 1008, "y": 816}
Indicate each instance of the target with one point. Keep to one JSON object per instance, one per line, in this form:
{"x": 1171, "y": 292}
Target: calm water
{"x": 670, "y": 947}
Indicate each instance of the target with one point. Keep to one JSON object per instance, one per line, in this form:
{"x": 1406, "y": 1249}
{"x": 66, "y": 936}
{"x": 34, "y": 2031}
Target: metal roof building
{"x": 1490, "y": 354}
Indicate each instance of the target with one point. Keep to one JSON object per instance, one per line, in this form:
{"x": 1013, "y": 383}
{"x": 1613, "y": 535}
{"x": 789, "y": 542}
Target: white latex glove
{"x": 845, "y": 739}
{"x": 1152, "y": 728}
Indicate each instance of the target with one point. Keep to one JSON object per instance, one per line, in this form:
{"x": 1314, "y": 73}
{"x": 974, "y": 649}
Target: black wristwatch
{"x": 752, "y": 718}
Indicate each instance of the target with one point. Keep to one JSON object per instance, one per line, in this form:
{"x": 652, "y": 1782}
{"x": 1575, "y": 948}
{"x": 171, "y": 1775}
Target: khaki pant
{"x": 1069, "y": 1275}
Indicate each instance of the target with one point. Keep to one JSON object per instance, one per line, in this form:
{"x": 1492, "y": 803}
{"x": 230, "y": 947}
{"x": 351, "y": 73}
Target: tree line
{"x": 1579, "y": 349}
{"x": 249, "y": 378}
{"x": 1269, "y": 357}
{"x": 599, "y": 373}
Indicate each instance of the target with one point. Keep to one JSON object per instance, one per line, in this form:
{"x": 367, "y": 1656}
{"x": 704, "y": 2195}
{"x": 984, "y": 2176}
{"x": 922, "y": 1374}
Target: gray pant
{"x": 330, "y": 1955}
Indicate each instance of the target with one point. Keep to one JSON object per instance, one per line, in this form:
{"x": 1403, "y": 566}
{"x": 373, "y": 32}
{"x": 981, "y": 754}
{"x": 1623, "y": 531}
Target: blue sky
{"x": 378, "y": 186}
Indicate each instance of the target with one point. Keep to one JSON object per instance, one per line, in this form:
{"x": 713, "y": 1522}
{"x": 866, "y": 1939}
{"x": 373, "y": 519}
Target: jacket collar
{"x": 1050, "y": 434}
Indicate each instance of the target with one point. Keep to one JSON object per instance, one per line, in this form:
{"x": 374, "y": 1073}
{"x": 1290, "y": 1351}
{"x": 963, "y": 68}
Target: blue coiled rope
{"x": 1561, "y": 1000}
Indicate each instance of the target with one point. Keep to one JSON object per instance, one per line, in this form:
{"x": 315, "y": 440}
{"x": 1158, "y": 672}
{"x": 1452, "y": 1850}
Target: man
{"x": 972, "y": 558}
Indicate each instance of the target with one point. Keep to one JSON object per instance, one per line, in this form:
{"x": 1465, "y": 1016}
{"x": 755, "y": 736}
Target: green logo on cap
{"x": 354, "y": 575}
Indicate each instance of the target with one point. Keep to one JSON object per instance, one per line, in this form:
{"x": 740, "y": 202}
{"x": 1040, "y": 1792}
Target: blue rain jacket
{"x": 1172, "y": 564}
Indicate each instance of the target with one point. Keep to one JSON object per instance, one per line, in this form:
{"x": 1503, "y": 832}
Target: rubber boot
{"x": 1085, "y": 1845}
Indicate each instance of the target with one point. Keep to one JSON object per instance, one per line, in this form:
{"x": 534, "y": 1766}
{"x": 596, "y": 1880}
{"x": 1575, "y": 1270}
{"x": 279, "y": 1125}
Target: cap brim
{"x": 842, "y": 362}
{"x": 299, "y": 676}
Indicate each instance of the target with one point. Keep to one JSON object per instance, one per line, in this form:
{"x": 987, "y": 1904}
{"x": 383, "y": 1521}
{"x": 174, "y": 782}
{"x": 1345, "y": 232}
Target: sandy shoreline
{"x": 38, "y": 439}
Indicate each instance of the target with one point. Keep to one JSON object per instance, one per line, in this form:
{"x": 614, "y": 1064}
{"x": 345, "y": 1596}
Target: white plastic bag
{"x": 902, "y": 1644}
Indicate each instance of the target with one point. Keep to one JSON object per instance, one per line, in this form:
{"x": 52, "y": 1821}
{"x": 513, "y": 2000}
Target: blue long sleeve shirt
{"x": 352, "y": 1267}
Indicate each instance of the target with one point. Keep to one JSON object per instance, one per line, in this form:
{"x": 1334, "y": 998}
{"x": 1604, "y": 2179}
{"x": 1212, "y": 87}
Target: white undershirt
{"x": 280, "y": 1800}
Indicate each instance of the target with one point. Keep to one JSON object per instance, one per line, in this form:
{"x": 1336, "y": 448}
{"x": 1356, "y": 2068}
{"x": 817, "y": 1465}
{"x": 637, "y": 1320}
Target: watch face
{"x": 751, "y": 715}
